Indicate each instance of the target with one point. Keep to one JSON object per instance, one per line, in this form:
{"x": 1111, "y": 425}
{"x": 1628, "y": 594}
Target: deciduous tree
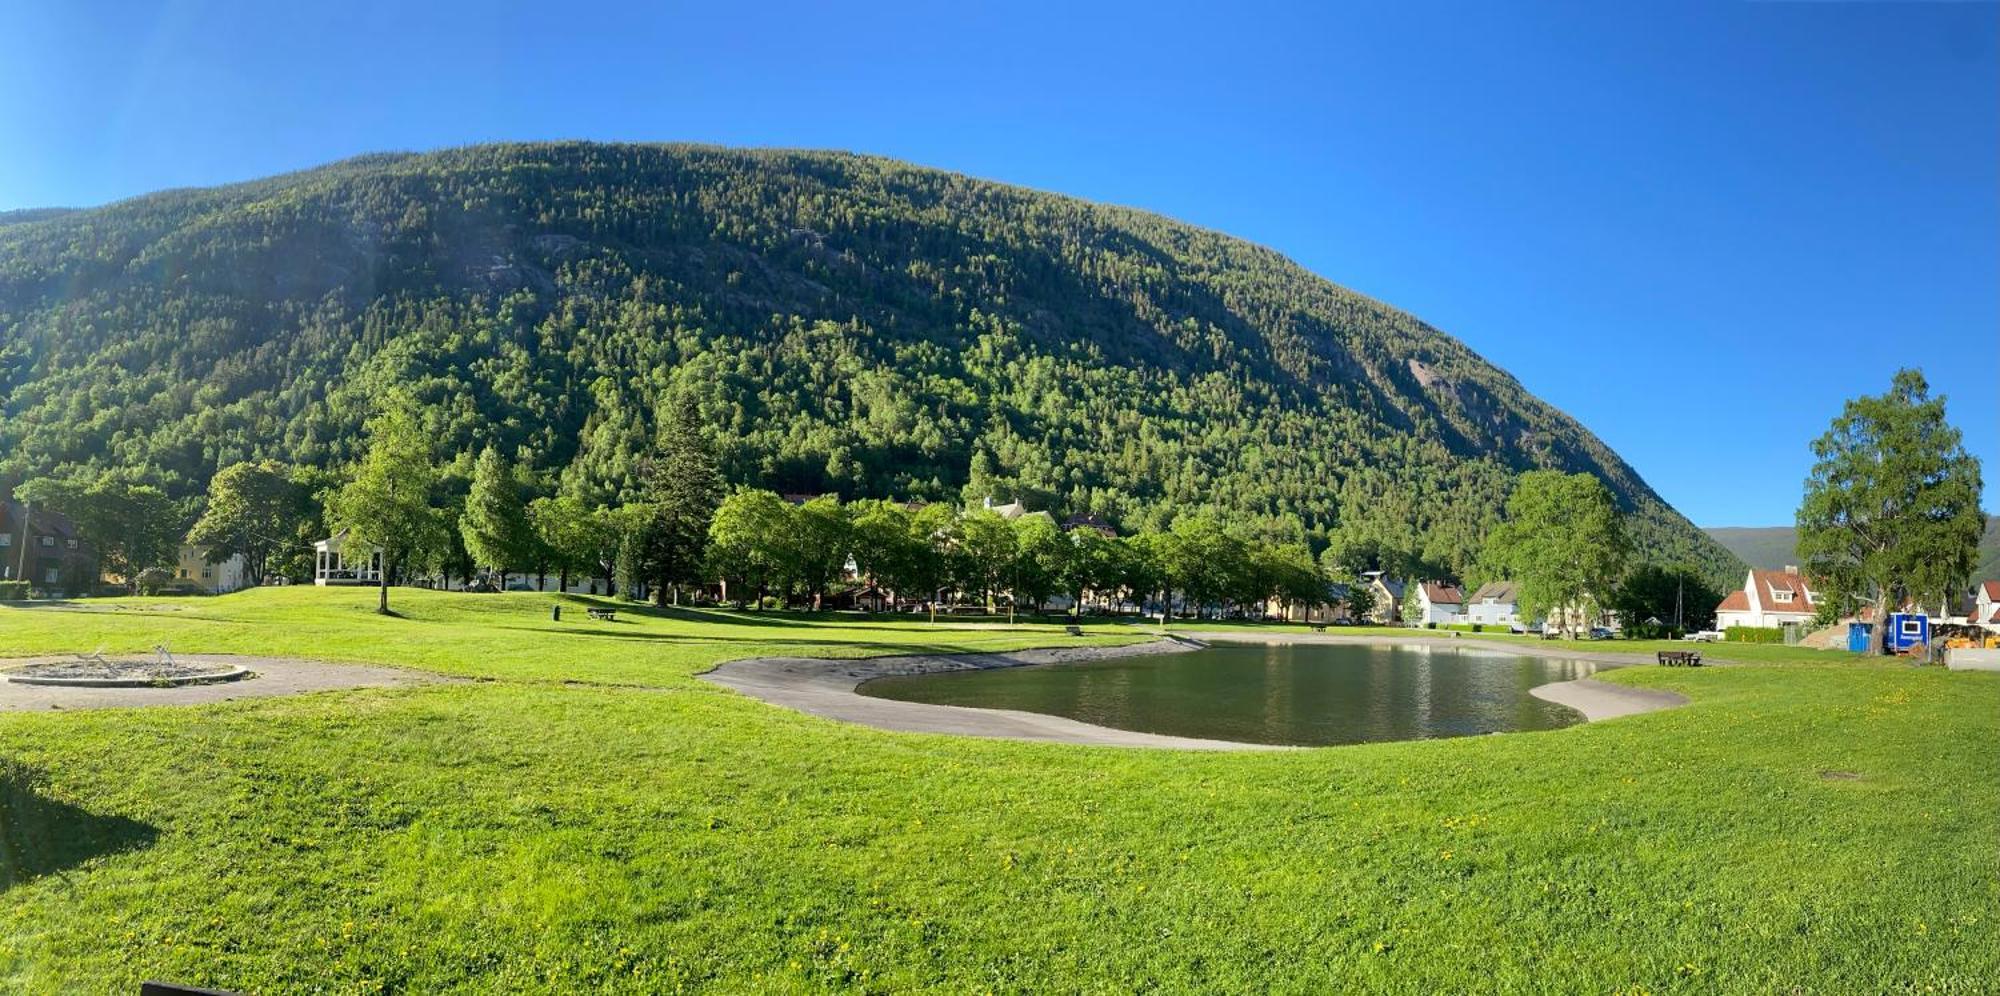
{"x": 1891, "y": 508}
{"x": 1564, "y": 541}
{"x": 388, "y": 502}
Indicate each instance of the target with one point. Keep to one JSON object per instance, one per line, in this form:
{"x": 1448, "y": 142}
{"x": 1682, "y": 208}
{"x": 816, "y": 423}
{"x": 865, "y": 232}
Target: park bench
{"x": 1680, "y": 658}
{"x": 1073, "y": 629}
{"x": 602, "y": 615}
{"x": 1319, "y": 627}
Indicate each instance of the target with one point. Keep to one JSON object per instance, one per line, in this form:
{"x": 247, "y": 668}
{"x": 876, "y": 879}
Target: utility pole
{"x": 27, "y": 512}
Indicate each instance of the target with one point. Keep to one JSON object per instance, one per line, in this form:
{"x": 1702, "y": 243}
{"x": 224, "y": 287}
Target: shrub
{"x": 152, "y": 580}
{"x": 13, "y": 591}
{"x": 1754, "y": 634}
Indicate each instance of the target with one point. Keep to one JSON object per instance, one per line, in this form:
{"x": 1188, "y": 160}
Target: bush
{"x": 1465, "y": 627}
{"x": 13, "y": 591}
{"x": 152, "y": 581}
{"x": 1754, "y": 634}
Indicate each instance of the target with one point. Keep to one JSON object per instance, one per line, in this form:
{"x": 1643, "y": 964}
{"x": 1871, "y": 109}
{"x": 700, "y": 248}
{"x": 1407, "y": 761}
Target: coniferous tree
{"x": 683, "y": 489}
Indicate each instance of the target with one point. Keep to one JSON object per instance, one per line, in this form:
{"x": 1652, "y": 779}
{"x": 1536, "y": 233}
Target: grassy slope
{"x": 526, "y": 835}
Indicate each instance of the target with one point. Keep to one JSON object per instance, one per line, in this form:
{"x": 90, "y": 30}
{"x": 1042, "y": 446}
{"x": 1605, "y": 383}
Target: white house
{"x": 1768, "y": 598}
{"x": 1496, "y": 603}
{"x": 192, "y": 568}
{"x": 1439, "y": 604}
{"x": 335, "y": 563}
{"x": 1986, "y": 605}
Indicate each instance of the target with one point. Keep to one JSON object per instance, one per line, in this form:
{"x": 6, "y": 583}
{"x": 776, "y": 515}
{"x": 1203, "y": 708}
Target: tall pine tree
{"x": 683, "y": 489}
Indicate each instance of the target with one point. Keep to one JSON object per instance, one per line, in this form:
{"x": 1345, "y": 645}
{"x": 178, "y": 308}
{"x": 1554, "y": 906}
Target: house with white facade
{"x": 343, "y": 559}
{"x": 1986, "y": 606}
{"x": 1496, "y": 604}
{"x": 193, "y": 570}
{"x": 1438, "y": 604}
{"x": 1768, "y": 599}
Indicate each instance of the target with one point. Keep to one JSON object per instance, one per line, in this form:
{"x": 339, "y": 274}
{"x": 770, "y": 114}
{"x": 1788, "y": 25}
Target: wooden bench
{"x": 1073, "y": 629}
{"x": 1319, "y": 627}
{"x": 1680, "y": 658}
{"x": 602, "y": 615}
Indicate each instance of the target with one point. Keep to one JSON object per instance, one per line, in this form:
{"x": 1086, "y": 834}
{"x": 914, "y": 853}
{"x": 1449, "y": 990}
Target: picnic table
{"x": 1073, "y": 629}
{"x": 602, "y": 615}
{"x": 1680, "y": 658}
{"x": 1319, "y": 627}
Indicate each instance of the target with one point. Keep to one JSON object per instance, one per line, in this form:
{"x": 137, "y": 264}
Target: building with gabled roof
{"x": 1438, "y": 603}
{"x": 1767, "y": 599}
{"x": 1496, "y": 603}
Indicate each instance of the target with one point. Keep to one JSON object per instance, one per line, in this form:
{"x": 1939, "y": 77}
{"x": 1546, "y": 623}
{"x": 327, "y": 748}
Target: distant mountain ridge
{"x": 845, "y": 323}
{"x": 1772, "y": 547}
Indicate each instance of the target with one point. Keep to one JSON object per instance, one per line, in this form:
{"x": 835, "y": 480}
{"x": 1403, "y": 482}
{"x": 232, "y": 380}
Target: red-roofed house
{"x": 1438, "y": 602}
{"x": 1768, "y": 598}
{"x": 1986, "y": 605}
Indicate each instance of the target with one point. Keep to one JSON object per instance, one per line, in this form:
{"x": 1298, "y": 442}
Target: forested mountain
{"x": 1771, "y": 547}
{"x": 845, "y": 324}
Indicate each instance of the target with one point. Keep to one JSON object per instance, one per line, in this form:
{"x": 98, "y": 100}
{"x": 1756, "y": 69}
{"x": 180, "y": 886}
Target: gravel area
{"x": 268, "y": 676}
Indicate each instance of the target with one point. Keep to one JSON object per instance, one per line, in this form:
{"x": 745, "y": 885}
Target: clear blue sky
{"x": 1697, "y": 228}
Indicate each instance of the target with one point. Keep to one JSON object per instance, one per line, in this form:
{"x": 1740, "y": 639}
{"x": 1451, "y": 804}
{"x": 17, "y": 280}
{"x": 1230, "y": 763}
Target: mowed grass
{"x": 1825, "y": 828}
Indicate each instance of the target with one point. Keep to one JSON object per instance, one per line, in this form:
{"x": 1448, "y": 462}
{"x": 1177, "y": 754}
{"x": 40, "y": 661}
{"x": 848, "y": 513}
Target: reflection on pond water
{"x": 1276, "y": 693}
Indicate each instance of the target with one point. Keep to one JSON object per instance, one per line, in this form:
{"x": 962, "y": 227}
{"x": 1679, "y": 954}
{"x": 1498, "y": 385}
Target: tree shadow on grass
{"x": 40, "y": 836}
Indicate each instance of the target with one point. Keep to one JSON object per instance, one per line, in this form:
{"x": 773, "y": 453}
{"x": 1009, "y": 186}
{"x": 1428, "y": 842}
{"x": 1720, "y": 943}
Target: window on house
{"x": 6, "y": 539}
{"x": 48, "y": 541}
{"x": 49, "y": 576}
{"x": 1781, "y": 595}
{"x": 71, "y": 544}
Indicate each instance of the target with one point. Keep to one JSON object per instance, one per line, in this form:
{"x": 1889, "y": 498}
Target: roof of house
{"x": 1992, "y": 590}
{"x": 1439, "y": 593}
{"x": 1502, "y": 592}
{"x": 1389, "y": 584}
{"x": 1773, "y": 582}
{"x": 42, "y": 521}
{"x": 1769, "y": 584}
{"x": 1089, "y": 522}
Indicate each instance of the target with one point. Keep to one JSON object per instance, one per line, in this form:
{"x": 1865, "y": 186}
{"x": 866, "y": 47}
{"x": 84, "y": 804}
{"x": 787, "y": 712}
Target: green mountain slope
{"x": 846, "y": 323}
{"x": 1771, "y": 547}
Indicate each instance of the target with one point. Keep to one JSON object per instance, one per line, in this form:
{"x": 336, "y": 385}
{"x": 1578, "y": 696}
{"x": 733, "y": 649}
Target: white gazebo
{"x": 334, "y": 563}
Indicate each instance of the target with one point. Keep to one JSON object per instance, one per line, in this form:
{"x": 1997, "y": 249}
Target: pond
{"x": 1305, "y": 694}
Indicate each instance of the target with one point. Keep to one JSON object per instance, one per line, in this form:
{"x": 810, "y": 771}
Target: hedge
{"x": 13, "y": 591}
{"x": 1754, "y": 634}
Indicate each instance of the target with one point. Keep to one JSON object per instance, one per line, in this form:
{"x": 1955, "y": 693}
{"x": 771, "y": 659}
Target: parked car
{"x": 1600, "y": 633}
{"x": 1703, "y": 636}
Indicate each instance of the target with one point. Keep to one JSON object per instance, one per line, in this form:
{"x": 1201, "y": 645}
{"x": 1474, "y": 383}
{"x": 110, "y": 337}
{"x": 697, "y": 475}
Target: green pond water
{"x": 1275, "y": 694}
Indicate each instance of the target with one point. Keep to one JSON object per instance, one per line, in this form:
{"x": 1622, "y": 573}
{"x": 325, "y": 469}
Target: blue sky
{"x": 1697, "y": 228}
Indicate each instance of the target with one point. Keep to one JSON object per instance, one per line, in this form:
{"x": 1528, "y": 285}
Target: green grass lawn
{"x": 1822, "y": 828}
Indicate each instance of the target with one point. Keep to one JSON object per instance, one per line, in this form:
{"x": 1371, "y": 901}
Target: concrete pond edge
{"x": 829, "y": 687}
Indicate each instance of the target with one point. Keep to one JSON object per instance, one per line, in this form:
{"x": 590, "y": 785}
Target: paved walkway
{"x": 273, "y": 676}
{"x": 826, "y": 688}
